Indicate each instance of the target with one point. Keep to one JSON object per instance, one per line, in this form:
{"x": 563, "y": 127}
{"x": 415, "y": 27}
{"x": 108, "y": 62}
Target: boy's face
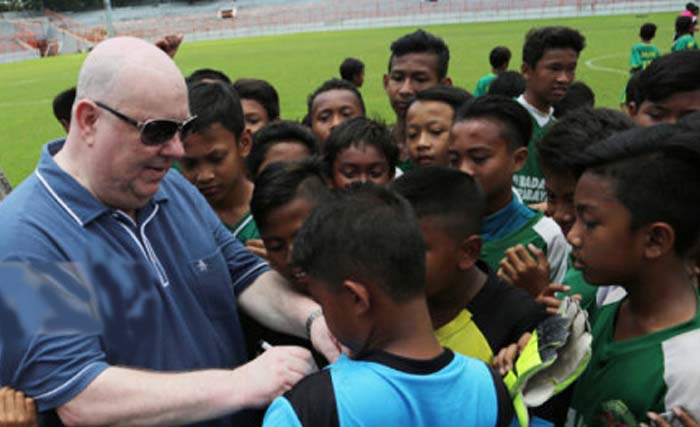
{"x": 213, "y": 162}
{"x": 477, "y": 147}
{"x": 409, "y": 74}
{"x": 442, "y": 255}
{"x": 560, "y": 188}
{"x": 284, "y": 151}
{"x": 551, "y": 76}
{"x": 332, "y": 108}
{"x": 428, "y": 126}
{"x": 254, "y": 115}
{"x": 359, "y": 79}
{"x": 604, "y": 247}
{"x": 283, "y": 224}
{"x": 669, "y": 110}
{"x": 361, "y": 163}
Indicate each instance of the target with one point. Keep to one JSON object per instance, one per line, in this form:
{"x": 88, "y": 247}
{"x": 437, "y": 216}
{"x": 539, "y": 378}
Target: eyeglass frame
{"x": 142, "y": 125}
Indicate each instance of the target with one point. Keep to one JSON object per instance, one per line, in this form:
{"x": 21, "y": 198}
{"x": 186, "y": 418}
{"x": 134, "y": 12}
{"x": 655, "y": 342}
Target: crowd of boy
{"x": 433, "y": 251}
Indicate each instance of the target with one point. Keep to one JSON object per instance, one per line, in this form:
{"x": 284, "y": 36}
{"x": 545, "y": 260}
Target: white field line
{"x": 591, "y": 64}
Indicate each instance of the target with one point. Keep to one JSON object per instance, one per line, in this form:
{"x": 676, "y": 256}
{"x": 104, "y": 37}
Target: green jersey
{"x": 529, "y": 181}
{"x": 483, "y": 85}
{"x": 686, "y": 42}
{"x": 642, "y": 55}
{"x": 626, "y": 379}
{"x": 245, "y": 230}
{"x": 542, "y": 232}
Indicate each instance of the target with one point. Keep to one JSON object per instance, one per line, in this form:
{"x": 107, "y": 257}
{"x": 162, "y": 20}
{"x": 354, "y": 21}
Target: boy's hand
{"x": 548, "y": 297}
{"x": 505, "y": 359}
{"x": 257, "y": 247}
{"x": 520, "y": 269}
{"x": 681, "y": 415}
{"x": 16, "y": 410}
{"x": 170, "y": 44}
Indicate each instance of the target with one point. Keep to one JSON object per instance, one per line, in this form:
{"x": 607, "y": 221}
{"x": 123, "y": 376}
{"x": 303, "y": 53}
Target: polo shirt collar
{"x": 75, "y": 199}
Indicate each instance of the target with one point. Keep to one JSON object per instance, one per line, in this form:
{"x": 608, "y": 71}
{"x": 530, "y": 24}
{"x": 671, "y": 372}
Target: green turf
{"x": 296, "y": 64}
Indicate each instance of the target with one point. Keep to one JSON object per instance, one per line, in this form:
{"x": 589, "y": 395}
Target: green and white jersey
{"x": 626, "y": 379}
{"x": 245, "y": 230}
{"x": 686, "y": 42}
{"x": 642, "y": 55}
{"x": 529, "y": 181}
{"x": 5, "y": 187}
{"x": 542, "y": 232}
{"x": 483, "y": 85}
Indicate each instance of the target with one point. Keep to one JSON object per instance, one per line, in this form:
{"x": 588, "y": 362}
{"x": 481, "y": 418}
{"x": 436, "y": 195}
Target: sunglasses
{"x": 155, "y": 131}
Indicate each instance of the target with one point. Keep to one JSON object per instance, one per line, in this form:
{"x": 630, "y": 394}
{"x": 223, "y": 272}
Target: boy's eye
{"x": 324, "y": 117}
{"x": 397, "y": 77}
{"x": 378, "y": 171}
{"x": 437, "y": 131}
{"x": 348, "y": 172}
{"x": 479, "y": 160}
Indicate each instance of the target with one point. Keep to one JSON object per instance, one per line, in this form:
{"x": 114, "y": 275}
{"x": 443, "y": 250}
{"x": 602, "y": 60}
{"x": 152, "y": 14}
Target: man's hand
{"x": 257, "y": 247}
{"x": 680, "y": 414}
{"x": 16, "y": 410}
{"x": 519, "y": 268}
{"x": 323, "y": 340}
{"x": 274, "y": 372}
{"x": 170, "y": 44}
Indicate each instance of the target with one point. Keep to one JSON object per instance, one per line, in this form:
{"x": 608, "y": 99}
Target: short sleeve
{"x": 243, "y": 265}
{"x": 281, "y": 414}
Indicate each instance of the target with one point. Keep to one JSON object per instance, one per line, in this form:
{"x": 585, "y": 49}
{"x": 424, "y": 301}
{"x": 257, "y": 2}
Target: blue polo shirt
{"x": 161, "y": 290}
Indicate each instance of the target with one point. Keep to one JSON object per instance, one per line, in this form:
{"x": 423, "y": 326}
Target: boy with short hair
{"x": 63, "y": 106}
{"x": 207, "y": 75}
{"x": 260, "y": 103}
{"x": 685, "y": 40}
{"x": 360, "y": 150}
{"x": 353, "y": 70}
{"x": 282, "y": 140}
{"x": 373, "y": 297}
{"x": 499, "y": 58}
{"x": 473, "y": 312}
{"x": 644, "y": 53}
{"x": 215, "y": 149}
{"x": 331, "y": 104}
{"x": 636, "y": 225}
{"x": 489, "y": 141}
{"x": 550, "y": 55}
{"x": 579, "y": 95}
{"x": 428, "y": 121}
{"x": 667, "y": 89}
{"x": 508, "y": 83}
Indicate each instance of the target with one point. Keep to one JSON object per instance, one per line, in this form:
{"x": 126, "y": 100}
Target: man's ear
{"x": 660, "y": 240}
{"x": 519, "y": 158}
{"x": 245, "y": 142}
{"x": 631, "y": 108}
{"x": 85, "y": 114}
{"x": 525, "y": 71}
{"x": 469, "y": 252}
{"x": 385, "y": 80}
{"x": 360, "y": 303}
{"x": 447, "y": 81}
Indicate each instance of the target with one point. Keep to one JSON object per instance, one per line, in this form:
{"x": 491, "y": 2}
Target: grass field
{"x": 296, "y": 64}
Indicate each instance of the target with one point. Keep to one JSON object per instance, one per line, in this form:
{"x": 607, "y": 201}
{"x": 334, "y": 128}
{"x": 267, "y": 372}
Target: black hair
{"x": 647, "y": 31}
{"x": 449, "y": 194}
{"x": 573, "y": 133}
{"x": 373, "y": 237}
{"x": 274, "y": 133}
{"x": 633, "y": 92}
{"x": 63, "y": 104}
{"x": 328, "y": 85}
{"x": 359, "y": 131}
{"x": 684, "y": 25}
{"x": 508, "y": 83}
{"x": 454, "y": 96}
{"x": 499, "y": 56}
{"x": 514, "y": 120}
{"x": 654, "y": 173}
{"x": 539, "y": 40}
{"x": 351, "y": 67}
{"x": 692, "y": 7}
{"x": 207, "y": 74}
{"x": 216, "y": 102}
{"x": 421, "y": 41}
{"x": 670, "y": 74}
{"x": 578, "y": 95}
{"x": 262, "y": 92}
{"x": 282, "y": 182}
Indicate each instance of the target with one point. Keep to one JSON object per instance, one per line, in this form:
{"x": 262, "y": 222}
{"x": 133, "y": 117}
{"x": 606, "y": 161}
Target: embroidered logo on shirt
{"x": 202, "y": 266}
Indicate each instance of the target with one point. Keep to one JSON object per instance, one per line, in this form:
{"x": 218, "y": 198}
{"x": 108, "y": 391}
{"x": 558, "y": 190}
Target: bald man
{"x": 163, "y": 345}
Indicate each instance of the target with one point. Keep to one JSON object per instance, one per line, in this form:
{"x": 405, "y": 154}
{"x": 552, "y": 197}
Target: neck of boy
{"x": 405, "y": 330}
{"x": 665, "y": 296}
{"x": 499, "y": 202}
{"x": 446, "y": 305}
{"x": 541, "y": 104}
{"x": 232, "y": 208}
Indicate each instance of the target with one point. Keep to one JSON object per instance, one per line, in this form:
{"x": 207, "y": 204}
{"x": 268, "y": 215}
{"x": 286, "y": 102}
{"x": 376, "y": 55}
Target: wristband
{"x": 310, "y": 320}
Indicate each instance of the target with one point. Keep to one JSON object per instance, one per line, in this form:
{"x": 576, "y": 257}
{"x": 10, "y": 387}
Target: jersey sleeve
{"x": 310, "y": 403}
{"x": 281, "y": 414}
{"x": 556, "y": 248}
{"x": 243, "y": 265}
